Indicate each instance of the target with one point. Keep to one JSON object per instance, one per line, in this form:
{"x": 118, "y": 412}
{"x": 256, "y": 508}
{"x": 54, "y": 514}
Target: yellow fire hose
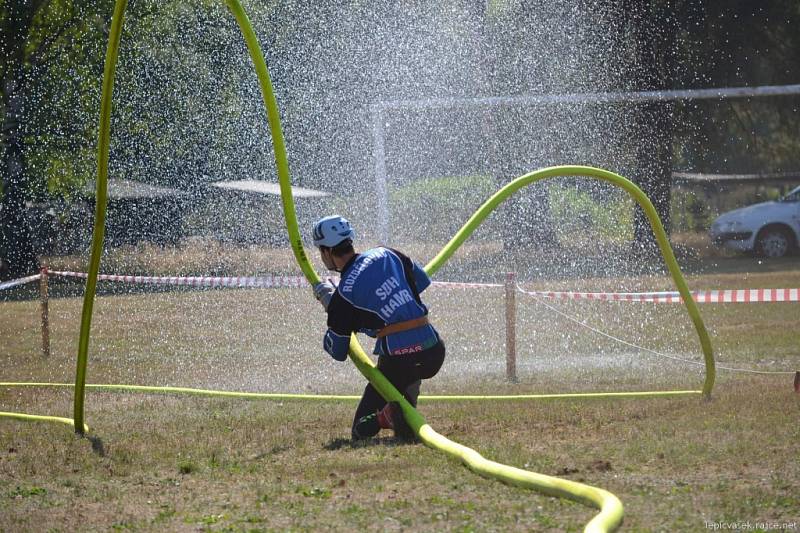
{"x": 151, "y": 389}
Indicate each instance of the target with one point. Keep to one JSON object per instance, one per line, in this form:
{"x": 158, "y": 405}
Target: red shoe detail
{"x": 385, "y": 418}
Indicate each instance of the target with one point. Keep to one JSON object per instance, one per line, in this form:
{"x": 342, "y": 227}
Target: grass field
{"x": 185, "y": 463}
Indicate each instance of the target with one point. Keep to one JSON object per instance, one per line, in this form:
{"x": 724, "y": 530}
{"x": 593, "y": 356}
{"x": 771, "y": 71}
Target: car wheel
{"x": 773, "y": 242}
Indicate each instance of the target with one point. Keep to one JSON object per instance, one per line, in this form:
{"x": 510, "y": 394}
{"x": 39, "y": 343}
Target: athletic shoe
{"x": 366, "y": 427}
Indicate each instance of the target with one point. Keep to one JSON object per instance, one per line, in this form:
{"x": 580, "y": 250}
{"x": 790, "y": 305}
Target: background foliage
{"x": 188, "y": 111}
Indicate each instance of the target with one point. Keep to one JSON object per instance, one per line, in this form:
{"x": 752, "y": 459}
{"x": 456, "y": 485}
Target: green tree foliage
{"x": 45, "y": 46}
{"x": 187, "y": 108}
{"x": 53, "y": 53}
{"x": 62, "y": 96}
{"x": 732, "y": 44}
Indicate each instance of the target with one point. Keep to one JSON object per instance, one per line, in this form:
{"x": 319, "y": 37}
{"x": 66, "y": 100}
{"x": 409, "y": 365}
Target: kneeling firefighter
{"x": 379, "y": 295}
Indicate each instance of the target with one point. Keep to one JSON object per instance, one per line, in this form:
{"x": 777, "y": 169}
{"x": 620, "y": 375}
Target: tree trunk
{"x": 654, "y": 171}
{"x": 655, "y": 32}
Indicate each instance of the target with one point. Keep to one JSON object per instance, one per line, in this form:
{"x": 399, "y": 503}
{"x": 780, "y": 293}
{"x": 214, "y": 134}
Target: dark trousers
{"x": 405, "y": 372}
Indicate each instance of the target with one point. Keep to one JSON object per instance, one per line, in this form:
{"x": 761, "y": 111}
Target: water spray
{"x": 611, "y": 511}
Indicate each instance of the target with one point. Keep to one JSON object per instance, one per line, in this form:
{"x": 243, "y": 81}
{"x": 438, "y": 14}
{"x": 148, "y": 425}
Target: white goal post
{"x": 380, "y": 109}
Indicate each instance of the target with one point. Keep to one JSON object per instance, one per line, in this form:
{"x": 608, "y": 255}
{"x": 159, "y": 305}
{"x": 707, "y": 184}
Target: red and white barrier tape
{"x": 20, "y": 281}
{"x": 714, "y": 296}
{"x": 460, "y": 285}
{"x": 241, "y": 281}
{"x": 723, "y": 296}
{"x": 702, "y": 297}
{"x": 198, "y": 281}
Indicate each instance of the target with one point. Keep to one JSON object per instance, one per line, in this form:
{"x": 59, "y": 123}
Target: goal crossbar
{"x": 379, "y": 108}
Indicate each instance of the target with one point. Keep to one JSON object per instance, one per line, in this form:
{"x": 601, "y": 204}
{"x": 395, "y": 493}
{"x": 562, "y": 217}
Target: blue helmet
{"x": 330, "y": 231}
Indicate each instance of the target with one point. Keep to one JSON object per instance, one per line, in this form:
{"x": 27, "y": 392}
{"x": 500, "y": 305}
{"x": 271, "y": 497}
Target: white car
{"x": 769, "y": 229}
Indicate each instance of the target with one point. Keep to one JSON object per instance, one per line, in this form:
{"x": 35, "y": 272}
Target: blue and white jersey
{"x": 379, "y": 287}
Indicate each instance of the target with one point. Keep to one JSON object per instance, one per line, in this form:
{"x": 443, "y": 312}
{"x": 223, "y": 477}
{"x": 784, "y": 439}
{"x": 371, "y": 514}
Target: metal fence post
{"x": 511, "y": 322}
{"x": 43, "y": 298}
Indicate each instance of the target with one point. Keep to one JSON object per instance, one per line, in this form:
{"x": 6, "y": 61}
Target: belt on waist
{"x": 405, "y": 325}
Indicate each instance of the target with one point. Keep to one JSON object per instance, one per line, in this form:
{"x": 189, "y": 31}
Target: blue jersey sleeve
{"x": 421, "y": 278}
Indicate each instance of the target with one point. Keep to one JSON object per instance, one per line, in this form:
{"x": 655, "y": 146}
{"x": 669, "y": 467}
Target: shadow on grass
{"x": 97, "y": 445}
{"x": 339, "y": 443}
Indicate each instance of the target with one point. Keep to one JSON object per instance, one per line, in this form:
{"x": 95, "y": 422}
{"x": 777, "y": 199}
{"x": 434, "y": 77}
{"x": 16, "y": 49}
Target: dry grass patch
{"x": 183, "y": 463}
{"x": 187, "y": 463}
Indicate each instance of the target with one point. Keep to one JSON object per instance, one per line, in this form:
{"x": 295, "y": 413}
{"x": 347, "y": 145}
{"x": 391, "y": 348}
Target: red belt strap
{"x": 397, "y": 327}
